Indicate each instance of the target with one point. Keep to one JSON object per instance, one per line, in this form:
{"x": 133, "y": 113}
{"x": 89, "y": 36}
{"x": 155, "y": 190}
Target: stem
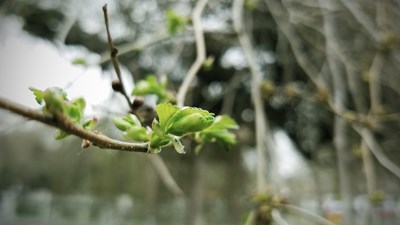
{"x": 262, "y": 129}
{"x": 376, "y": 149}
{"x": 201, "y": 52}
{"x": 63, "y": 123}
{"x": 339, "y": 96}
{"x": 114, "y": 56}
{"x": 311, "y": 216}
{"x": 277, "y": 218}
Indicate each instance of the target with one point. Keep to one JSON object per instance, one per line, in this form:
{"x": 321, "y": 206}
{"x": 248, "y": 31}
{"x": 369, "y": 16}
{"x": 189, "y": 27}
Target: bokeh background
{"x": 330, "y": 88}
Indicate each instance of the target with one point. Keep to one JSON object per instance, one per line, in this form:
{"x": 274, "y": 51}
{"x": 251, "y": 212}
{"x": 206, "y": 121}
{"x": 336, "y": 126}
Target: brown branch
{"x": 114, "y": 57}
{"x": 64, "y": 124}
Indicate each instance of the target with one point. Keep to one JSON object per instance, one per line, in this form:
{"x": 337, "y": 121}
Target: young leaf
{"x": 175, "y": 22}
{"x": 137, "y": 133}
{"x": 123, "y": 123}
{"x": 89, "y": 123}
{"x": 189, "y": 120}
{"x": 54, "y": 98}
{"x": 75, "y": 109}
{"x": 218, "y": 132}
{"x": 61, "y": 135}
{"x": 151, "y": 86}
{"x": 156, "y": 142}
{"x": 38, "y": 95}
{"x": 165, "y": 111}
{"x": 178, "y": 145}
{"x": 79, "y": 61}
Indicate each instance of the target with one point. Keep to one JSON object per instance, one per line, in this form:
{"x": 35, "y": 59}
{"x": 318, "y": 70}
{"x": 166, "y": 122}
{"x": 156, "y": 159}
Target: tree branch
{"x": 64, "y": 124}
{"x": 277, "y": 218}
{"x": 376, "y": 149}
{"x": 263, "y": 139}
{"x": 311, "y": 216}
{"x": 114, "y": 57}
{"x": 201, "y": 52}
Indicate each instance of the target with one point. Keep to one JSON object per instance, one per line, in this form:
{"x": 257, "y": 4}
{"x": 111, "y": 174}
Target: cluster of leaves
{"x": 150, "y": 85}
{"x": 174, "y": 123}
{"x": 56, "y": 103}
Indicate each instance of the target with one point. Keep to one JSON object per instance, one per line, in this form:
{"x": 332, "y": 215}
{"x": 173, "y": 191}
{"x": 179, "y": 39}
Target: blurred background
{"x": 330, "y": 88}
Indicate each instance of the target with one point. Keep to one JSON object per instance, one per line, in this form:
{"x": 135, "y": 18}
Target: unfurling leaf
{"x": 149, "y": 86}
{"x": 156, "y": 142}
{"x": 61, "y": 135}
{"x": 75, "y": 109}
{"x": 54, "y": 98}
{"x": 178, "y": 145}
{"x": 123, "y": 123}
{"x": 165, "y": 111}
{"x": 89, "y": 123}
{"x": 175, "y": 22}
{"x": 38, "y": 95}
{"x": 137, "y": 133}
{"x": 219, "y": 132}
{"x": 189, "y": 120}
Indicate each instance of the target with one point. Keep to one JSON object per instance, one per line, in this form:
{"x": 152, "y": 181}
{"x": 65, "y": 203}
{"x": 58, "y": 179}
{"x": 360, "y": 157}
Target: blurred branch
{"x": 377, "y": 150}
{"x": 362, "y": 18}
{"x": 250, "y": 218}
{"x": 277, "y": 218}
{"x": 135, "y": 46}
{"x": 277, "y": 11}
{"x": 340, "y": 128}
{"x": 164, "y": 174}
{"x": 374, "y": 83}
{"x": 66, "y": 125}
{"x": 201, "y": 52}
{"x": 114, "y": 57}
{"x": 263, "y": 139}
{"x": 303, "y": 212}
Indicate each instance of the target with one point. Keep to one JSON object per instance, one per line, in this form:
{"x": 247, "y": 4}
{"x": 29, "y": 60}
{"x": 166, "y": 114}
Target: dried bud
{"x": 85, "y": 143}
{"x": 116, "y": 85}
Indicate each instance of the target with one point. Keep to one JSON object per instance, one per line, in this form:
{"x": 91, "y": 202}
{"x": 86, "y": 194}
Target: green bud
{"x": 189, "y": 124}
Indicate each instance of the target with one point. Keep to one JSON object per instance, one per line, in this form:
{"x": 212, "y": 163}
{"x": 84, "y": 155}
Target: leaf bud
{"x": 116, "y": 85}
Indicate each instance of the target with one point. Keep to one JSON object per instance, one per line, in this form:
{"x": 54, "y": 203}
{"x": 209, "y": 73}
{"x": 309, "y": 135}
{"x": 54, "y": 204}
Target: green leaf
{"x": 165, "y": 111}
{"x": 223, "y": 122}
{"x": 175, "y": 22}
{"x": 218, "y": 132}
{"x": 61, "y": 135}
{"x": 75, "y": 109}
{"x": 79, "y": 61}
{"x": 189, "y": 120}
{"x": 137, "y": 133}
{"x": 89, "y": 123}
{"x": 156, "y": 142}
{"x": 38, "y": 95}
{"x": 178, "y": 145}
{"x": 123, "y": 123}
{"x": 151, "y": 86}
{"x": 54, "y": 98}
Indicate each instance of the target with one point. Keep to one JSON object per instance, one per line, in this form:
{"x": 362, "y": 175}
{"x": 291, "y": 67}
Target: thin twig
{"x": 114, "y": 56}
{"x": 263, "y": 139}
{"x": 250, "y": 218}
{"x": 201, "y": 52}
{"x": 376, "y": 149}
{"x": 311, "y": 216}
{"x": 164, "y": 174}
{"x": 63, "y": 123}
{"x": 277, "y": 218}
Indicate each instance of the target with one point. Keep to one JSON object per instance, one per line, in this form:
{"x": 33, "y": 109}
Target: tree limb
{"x": 64, "y": 124}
